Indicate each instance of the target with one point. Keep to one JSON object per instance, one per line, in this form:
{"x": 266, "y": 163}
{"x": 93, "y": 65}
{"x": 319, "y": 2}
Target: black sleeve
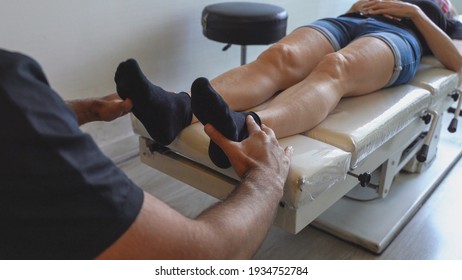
{"x": 60, "y": 197}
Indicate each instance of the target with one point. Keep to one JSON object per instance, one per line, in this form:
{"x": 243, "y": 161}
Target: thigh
{"x": 284, "y": 64}
{"x": 369, "y": 66}
{"x": 308, "y": 46}
{"x": 386, "y": 58}
{"x": 292, "y": 59}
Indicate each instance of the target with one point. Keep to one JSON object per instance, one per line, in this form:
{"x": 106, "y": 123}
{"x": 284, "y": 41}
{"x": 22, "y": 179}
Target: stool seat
{"x": 244, "y": 23}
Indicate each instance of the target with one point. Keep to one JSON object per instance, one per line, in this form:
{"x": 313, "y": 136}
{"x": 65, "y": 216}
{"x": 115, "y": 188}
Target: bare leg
{"x": 284, "y": 64}
{"x": 281, "y": 66}
{"x": 349, "y": 72}
{"x": 352, "y": 71}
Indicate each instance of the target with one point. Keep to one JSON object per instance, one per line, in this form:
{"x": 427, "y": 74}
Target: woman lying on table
{"x": 376, "y": 44}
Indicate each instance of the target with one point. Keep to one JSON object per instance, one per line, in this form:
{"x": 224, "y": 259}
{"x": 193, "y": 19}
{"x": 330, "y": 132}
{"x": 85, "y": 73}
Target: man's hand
{"x": 260, "y": 152}
{"x": 107, "y": 108}
{"x": 111, "y": 107}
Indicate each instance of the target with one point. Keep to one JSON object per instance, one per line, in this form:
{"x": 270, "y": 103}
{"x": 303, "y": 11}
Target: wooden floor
{"x": 435, "y": 232}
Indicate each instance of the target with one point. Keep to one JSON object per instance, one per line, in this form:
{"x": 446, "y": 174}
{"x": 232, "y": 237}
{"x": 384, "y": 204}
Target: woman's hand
{"x": 357, "y": 7}
{"x": 362, "y": 6}
{"x": 389, "y": 8}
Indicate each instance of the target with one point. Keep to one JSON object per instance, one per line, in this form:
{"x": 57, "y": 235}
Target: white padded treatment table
{"x": 381, "y": 133}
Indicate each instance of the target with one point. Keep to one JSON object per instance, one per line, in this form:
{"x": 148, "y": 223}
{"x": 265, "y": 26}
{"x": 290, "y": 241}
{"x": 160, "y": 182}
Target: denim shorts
{"x": 404, "y": 45}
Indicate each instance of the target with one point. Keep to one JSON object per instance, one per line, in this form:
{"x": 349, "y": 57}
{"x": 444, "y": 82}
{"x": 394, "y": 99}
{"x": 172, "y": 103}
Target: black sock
{"x": 164, "y": 114}
{"x": 209, "y": 107}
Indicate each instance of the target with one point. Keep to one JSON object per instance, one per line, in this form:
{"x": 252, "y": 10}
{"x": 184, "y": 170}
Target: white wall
{"x": 79, "y": 43}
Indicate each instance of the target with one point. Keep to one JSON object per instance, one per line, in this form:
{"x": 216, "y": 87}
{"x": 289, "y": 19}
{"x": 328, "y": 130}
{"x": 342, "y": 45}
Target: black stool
{"x": 244, "y": 23}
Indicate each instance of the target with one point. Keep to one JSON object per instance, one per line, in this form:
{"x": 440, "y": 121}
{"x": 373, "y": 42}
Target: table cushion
{"x": 315, "y": 167}
{"x": 362, "y": 124}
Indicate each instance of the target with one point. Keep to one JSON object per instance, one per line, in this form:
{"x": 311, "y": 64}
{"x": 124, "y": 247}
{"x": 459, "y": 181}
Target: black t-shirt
{"x": 60, "y": 197}
{"x": 454, "y": 29}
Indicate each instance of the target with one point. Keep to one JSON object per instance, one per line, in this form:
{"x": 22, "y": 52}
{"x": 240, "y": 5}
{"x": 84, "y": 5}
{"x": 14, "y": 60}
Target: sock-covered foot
{"x": 164, "y": 114}
{"x": 209, "y": 107}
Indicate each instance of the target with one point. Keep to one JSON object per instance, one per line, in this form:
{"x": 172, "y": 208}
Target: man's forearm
{"x": 244, "y": 218}
{"x": 82, "y": 109}
{"x": 106, "y": 108}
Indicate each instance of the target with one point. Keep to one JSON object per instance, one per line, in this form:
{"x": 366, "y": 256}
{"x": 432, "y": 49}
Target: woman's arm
{"x": 441, "y": 45}
{"x": 458, "y": 44}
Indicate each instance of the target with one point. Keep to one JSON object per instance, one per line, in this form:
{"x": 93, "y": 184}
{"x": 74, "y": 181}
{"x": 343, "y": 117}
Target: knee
{"x": 335, "y": 65}
{"x": 282, "y": 57}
